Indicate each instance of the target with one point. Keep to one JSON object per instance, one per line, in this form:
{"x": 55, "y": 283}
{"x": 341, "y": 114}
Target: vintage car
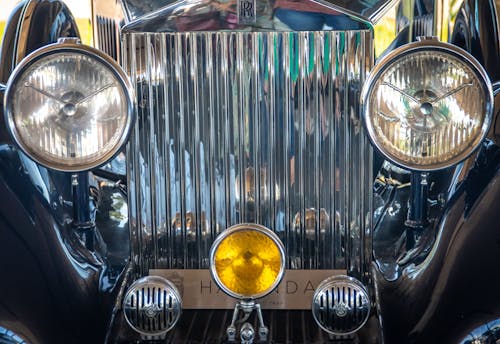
{"x": 285, "y": 171}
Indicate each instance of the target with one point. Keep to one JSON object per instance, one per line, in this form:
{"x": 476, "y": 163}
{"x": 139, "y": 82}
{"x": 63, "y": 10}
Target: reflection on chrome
{"x": 368, "y": 11}
{"x": 284, "y": 104}
{"x": 484, "y": 334}
{"x": 314, "y": 220}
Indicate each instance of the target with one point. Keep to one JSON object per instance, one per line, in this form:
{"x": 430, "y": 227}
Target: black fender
{"x": 495, "y": 127}
{"x": 34, "y": 24}
{"x": 476, "y": 30}
{"x": 8, "y": 43}
{"x": 4, "y": 135}
{"x": 48, "y": 278}
{"x": 54, "y": 289}
{"x": 455, "y": 289}
{"x": 31, "y": 25}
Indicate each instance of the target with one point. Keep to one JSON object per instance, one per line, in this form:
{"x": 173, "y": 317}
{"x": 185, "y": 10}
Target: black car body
{"x": 252, "y": 116}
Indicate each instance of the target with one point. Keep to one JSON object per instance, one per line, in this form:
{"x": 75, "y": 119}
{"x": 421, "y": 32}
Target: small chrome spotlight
{"x": 341, "y": 305}
{"x": 152, "y": 306}
{"x": 247, "y": 262}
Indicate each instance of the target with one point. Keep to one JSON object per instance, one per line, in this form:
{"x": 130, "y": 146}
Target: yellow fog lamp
{"x": 247, "y": 261}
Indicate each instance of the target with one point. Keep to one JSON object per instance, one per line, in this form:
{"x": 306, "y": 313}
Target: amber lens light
{"x": 247, "y": 262}
{"x": 428, "y": 108}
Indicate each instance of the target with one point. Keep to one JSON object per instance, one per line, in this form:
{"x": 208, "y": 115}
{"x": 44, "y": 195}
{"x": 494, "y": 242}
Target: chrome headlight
{"x": 69, "y": 106}
{"x": 427, "y": 105}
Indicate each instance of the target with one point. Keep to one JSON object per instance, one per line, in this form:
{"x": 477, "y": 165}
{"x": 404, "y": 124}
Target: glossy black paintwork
{"x": 451, "y": 286}
{"x": 455, "y": 289}
{"x": 49, "y": 20}
{"x": 476, "y": 31}
{"x": 57, "y": 290}
{"x": 4, "y": 135}
{"x": 8, "y": 43}
{"x": 49, "y": 277}
{"x": 56, "y": 287}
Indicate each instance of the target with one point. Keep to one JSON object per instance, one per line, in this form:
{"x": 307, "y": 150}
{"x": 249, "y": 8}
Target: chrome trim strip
{"x": 379, "y": 13}
{"x": 23, "y": 30}
{"x": 367, "y": 11}
{"x": 496, "y": 88}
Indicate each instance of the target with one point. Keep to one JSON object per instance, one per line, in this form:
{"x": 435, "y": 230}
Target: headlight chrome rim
{"x": 92, "y": 53}
{"x": 239, "y": 228}
{"x": 427, "y": 45}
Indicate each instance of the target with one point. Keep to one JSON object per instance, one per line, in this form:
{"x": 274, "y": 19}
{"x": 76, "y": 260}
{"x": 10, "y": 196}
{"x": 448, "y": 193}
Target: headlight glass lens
{"x": 247, "y": 263}
{"x": 69, "y": 110}
{"x": 428, "y": 109}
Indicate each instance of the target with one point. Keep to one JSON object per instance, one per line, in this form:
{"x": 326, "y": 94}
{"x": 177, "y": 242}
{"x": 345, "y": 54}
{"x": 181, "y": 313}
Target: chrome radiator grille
{"x": 258, "y": 127}
{"x": 107, "y": 36}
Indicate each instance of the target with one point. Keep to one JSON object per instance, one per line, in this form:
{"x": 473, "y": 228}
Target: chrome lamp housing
{"x": 427, "y": 105}
{"x": 247, "y": 261}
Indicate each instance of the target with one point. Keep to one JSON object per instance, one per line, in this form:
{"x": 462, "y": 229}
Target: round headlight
{"x": 427, "y": 105}
{"x": 247, "y": 261}
{"x": 69, "y": 107}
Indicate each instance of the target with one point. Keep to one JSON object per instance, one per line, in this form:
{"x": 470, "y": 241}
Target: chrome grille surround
{"x": 152, "y": 306}
{"x": 257, "y": 127}
{"x": 341, "y": 305}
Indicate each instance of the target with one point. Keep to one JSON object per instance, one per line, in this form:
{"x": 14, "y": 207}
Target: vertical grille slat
{"x": 317, "y": 142}
{"x": 346, "y": 201}
{"x": 180, "y": 116}
{"x": 272, "y": 154}
{"x": 150, "y": 141}
{"x": 249, "y": 127}
{"x": 240, "y": 117}
{"x": 289, "y": 234}
{"x": 213, "y": 162}
{"x": 107, "y": 36}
